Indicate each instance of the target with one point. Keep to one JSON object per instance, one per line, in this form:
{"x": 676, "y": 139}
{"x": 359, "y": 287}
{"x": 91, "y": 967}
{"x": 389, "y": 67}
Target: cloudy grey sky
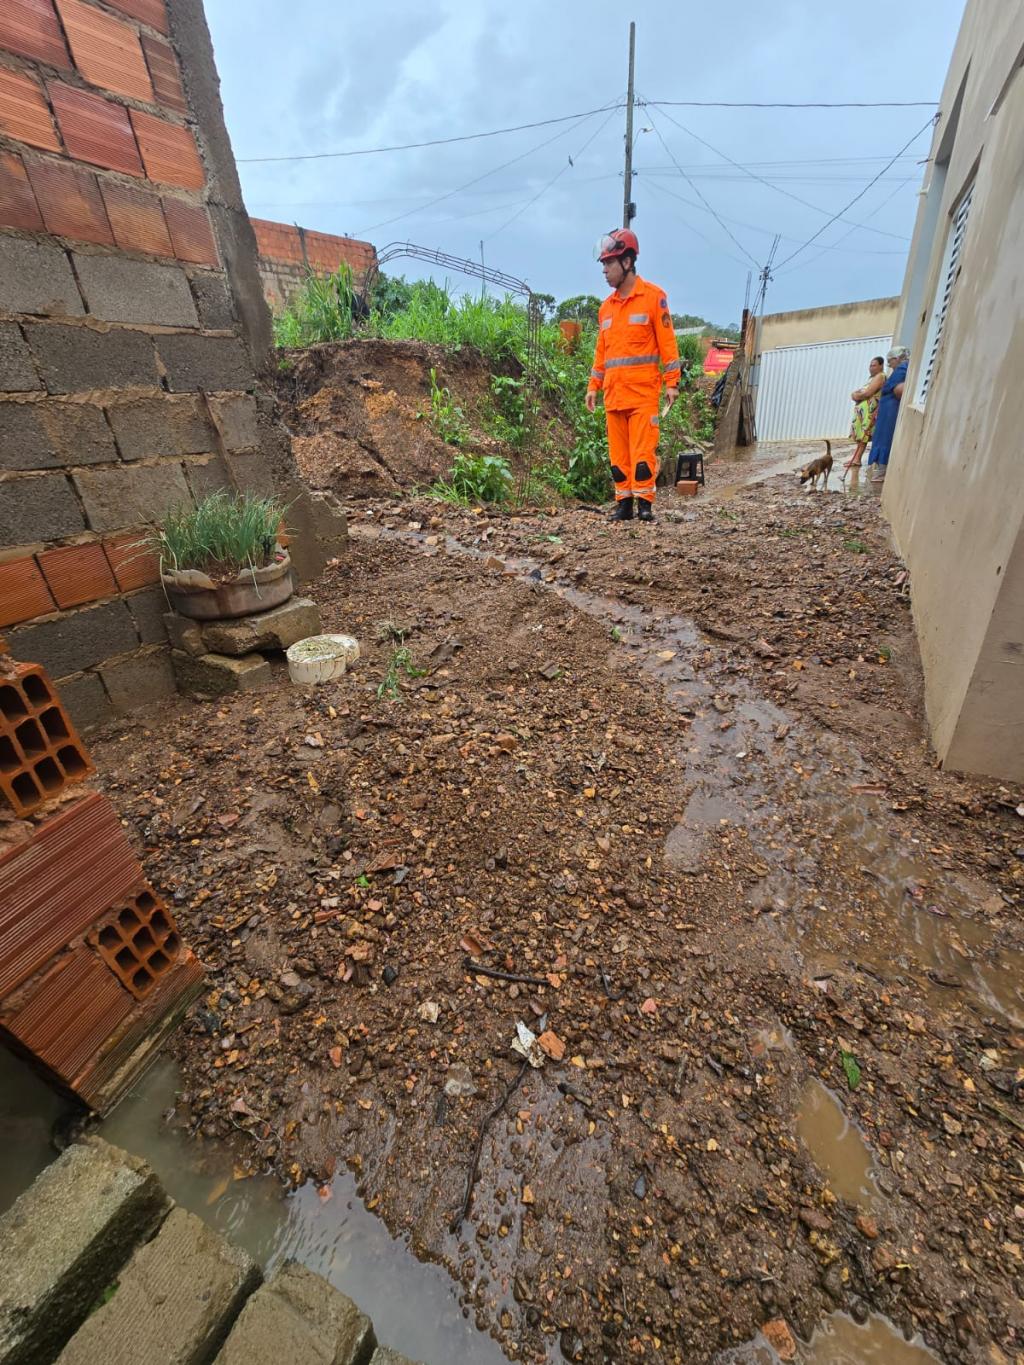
{"x": 311, "y": 76}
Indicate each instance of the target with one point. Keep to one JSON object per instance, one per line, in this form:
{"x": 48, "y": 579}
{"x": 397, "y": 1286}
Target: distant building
{"x": 808, "y": 362}
{"x": 954, "y": 493}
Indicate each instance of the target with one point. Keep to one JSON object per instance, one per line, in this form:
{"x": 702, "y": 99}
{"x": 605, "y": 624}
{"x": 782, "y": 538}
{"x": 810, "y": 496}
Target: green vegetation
{"x": 322, "y": 310}
{"x": 541, "y": 417}
{"x": 850, "y": 1068}
{"x": 856, "y": 547}
{"x": 474, "y": 479}
{"x": 446, "y": 417}
{"x": 222, "y": 534}
{"x": 399, "y": 663}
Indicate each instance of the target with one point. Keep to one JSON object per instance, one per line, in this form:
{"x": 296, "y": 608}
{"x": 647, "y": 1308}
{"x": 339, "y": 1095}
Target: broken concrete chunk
{"x": 277, "y": 629}
{"x": 184, "y": 633}
{"x": 297, "y": 1316}
{"x": 213, "y": 675}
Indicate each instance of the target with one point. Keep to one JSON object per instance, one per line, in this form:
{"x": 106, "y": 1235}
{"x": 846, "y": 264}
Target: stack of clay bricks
{"x": 93, "y": 974}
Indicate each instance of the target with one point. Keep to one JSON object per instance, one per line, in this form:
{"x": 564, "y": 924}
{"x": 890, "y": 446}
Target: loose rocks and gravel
{"x": 676, "y": 776}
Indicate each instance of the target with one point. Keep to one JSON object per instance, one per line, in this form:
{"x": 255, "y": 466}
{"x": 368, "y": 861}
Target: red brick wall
{"x": 126, "y": 382}
{"x": 287, "y": 252}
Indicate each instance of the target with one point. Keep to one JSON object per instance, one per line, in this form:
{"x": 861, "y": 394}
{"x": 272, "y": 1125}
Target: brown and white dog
{"x": 821, "y": 466}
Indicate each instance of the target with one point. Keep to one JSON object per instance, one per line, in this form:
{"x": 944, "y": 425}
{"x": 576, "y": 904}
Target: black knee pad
{"x": 643, "y": 471}
{"x": 617, "y": 474}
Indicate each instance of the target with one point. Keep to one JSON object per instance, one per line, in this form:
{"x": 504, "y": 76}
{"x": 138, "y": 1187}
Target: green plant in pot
{"x": 220, "y": 558}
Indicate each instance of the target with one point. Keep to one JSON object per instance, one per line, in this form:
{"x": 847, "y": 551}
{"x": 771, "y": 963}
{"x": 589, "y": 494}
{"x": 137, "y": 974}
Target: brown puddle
{"x": 840, "y": 1341}
{"x": 836, "y": 1144}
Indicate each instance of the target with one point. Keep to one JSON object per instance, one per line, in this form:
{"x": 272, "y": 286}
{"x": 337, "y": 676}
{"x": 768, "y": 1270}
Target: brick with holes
{"x": 40, "y": 751}
{"x": 138, "y": 940}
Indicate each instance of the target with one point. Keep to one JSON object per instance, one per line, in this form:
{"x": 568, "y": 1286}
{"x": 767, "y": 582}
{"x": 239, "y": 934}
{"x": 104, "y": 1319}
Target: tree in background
{"x": 546, "y": 302}
{"x": 580, "y": 308}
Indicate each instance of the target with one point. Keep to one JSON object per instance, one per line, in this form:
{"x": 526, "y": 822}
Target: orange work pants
{"x": 633, "y": 451}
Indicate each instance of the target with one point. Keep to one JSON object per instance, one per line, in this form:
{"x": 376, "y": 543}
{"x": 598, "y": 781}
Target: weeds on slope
{"x": 325, "y": 310}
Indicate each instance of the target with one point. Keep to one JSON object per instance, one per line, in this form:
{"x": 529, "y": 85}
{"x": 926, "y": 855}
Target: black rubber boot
{"x": 623, "y": 510}
{"x": 644, "y": 509}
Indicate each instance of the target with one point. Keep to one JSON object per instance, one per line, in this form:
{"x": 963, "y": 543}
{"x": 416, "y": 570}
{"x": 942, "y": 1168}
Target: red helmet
{"x": 616, "y": 243}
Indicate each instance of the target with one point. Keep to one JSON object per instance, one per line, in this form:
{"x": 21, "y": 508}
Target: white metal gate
{"x": 804, "y": 391}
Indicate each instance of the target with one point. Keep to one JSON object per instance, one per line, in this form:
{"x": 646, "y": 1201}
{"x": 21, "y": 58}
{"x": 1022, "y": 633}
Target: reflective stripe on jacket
{"x": 635, "y": 338}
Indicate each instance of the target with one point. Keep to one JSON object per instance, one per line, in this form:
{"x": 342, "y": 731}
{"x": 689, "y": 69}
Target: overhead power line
{"x": 450, "y": 194}
{"x": 794, "y": 104}
{"x": 770, "y": 232}
{"x": 724, "y": 156}
{"x": 557, "y": 176}
{"x": 860, "y": 195}
{"x": 715, "y": 246}
{"x": 697, "y": 191}
{"x": 568, "y": 118}
{"x": 835, "y": 246}
{"x": 433, "y": 142}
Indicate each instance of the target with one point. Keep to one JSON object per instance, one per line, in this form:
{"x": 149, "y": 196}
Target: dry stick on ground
{"x": 513, "y": 1084}
{"x": 471, "y": 965}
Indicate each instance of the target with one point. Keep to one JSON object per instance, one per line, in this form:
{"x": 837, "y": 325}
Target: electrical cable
{"x": 860, "y": 195}
{"x": 834, "y": 246}
{"x": 404, "y": 198}
{"x": 715, "y": 246}
{"x": 433, "y": 142}
{"x": 793, "y": 104}
{"x": 439, "y": 199}
{"x": 761, "y": 180}
{"x": 770, "y": 232}
{"x": 696, "y": 189}
{"x": 557, "y": 176}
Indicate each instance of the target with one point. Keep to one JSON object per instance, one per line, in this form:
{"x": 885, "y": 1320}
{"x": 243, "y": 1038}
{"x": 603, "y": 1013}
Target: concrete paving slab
{"x": 174, "y": 1304}
{"x": 65, "y": 1240}
{"x": 298, "y": 1316}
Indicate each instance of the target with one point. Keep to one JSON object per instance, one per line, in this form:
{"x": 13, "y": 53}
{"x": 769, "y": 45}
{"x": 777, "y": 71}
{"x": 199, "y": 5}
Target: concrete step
{"x": 65, "y": 1240}
{"x": 174, "y": 1303}
{"x": 297, "y": 1316}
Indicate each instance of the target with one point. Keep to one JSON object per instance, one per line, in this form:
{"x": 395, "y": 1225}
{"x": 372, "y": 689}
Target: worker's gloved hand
{"x": 591, "y": 400}
{"x": 670, "y": 397}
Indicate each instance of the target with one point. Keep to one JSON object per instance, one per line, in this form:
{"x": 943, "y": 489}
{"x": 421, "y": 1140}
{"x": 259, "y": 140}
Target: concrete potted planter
{"x": 220, "y": 559}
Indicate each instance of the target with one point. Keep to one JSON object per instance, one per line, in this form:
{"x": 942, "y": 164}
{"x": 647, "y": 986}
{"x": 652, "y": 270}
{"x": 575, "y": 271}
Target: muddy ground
{"x": 677, "y": 776}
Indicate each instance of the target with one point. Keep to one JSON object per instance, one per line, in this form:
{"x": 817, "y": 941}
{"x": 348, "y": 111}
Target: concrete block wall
{"x": 288, "y": 253}
{"x": 132, "y": 327}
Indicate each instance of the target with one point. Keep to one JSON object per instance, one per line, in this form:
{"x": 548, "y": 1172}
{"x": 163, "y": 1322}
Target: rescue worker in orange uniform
{"x": 636, "y": 352}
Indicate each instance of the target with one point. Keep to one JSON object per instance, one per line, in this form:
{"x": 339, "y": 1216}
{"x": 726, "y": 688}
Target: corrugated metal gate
{"x": 804, "y": 391}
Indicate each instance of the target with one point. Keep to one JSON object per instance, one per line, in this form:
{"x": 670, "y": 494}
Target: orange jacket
{"x": 634, "y": 335}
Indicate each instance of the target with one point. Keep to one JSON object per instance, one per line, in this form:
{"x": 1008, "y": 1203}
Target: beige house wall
{"x": 954, "y": 493}
{"x": 839, "y": 322}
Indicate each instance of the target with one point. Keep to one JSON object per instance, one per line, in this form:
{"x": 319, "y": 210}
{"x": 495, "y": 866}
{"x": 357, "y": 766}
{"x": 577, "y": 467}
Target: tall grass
{"x": 321, "y": 310}
{"x": 497, "y": 328}
{"x": 223, "y": 533}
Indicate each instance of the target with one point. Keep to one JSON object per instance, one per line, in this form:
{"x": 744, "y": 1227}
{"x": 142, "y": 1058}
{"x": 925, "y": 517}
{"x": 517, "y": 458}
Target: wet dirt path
{"x": 790, "y": 1022}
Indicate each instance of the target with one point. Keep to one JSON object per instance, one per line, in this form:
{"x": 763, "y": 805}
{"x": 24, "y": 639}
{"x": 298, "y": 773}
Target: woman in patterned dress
{"x": 865, "y": 410}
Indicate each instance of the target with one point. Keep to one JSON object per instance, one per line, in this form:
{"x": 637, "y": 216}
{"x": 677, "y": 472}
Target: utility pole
{"x": 483, "y": 276}
{"x": 628, "y": 207}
